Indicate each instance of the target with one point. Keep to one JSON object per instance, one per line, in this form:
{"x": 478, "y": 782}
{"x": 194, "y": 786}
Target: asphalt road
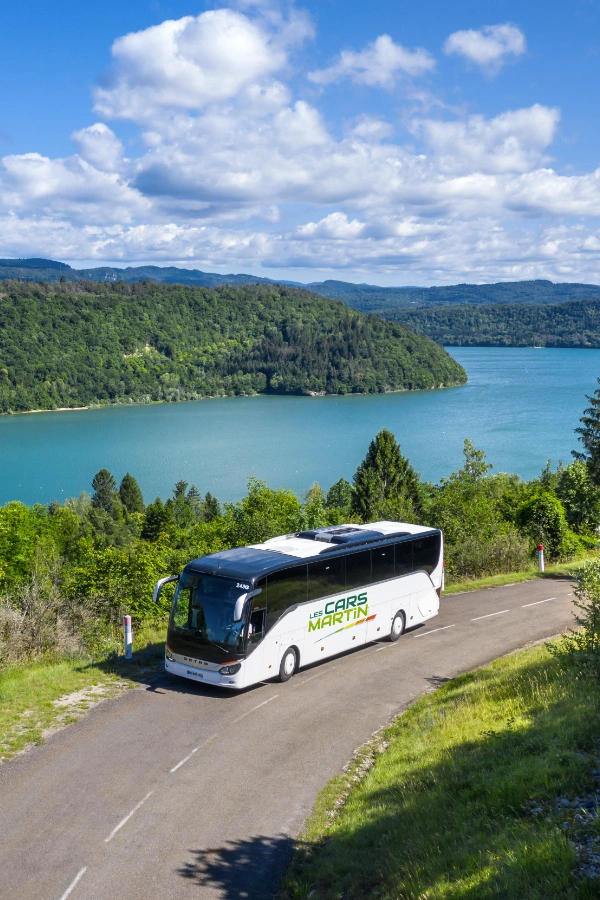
{"x": 176, "y": 790}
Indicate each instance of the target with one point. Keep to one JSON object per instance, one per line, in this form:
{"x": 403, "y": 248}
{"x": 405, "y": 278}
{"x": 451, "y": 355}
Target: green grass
{"x": 435, "y": 806}
{"x": 32, "y": 695}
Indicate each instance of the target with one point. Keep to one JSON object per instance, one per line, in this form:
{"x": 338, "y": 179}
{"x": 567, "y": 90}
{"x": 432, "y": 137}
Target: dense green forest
{"x": 87, "y": 343}
{"x": 574, "y": 324}
{"x": 385, "y": 301}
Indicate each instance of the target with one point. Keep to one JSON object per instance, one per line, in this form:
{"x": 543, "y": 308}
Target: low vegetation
{"x": 76, "y": 344}
{"x": 458, "y": 797}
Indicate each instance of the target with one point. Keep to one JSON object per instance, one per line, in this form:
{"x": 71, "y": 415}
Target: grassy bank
{"x": 457, "y": 798}
{"x": 40, "y": 697}
{"x": 555, "y": 570}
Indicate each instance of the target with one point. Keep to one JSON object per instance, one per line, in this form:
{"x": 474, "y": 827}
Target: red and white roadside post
{"x": 128, "y": 634}
{"x": 541, "y": 556}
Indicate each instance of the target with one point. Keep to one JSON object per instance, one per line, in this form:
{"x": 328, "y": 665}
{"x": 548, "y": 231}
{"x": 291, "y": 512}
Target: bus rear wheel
{"x": 398, "y": 623}
{"x": 288, "y": 664}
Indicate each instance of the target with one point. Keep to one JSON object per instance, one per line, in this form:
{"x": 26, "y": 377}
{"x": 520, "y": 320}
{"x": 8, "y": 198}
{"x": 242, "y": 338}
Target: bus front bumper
{"x": 205, "y": 676}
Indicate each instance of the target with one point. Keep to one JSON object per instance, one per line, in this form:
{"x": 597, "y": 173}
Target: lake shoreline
{"x": 138, "y": 403}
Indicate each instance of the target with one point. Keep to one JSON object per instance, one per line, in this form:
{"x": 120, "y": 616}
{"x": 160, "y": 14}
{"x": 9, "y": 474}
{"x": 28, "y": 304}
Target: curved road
{"x": 175, "y": 790}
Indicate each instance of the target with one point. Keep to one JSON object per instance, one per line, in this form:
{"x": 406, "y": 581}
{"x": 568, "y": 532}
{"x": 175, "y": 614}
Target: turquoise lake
{"x": 521, "y": 406}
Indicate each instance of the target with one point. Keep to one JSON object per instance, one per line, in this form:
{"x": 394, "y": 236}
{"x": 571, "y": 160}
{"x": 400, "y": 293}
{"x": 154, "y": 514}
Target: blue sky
{"x": 391, "y": 143}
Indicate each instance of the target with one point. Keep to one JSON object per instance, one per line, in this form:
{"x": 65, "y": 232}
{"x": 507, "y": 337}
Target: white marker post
{"x": 541, "y": 556}
{"x": 128, "y": 637}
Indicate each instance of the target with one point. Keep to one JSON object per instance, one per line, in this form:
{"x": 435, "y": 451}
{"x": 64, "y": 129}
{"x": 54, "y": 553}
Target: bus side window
{"x": 382, "y": 563}
{"x": 426, "y": 553}
{"x": 286, "y": 588}
{"x": 358, "y": 569}
{"x": 404, "y": 558}
{"x": 258, "y": 614}
{"x": 325, "y": 577}
{"x": 258, "y": 620}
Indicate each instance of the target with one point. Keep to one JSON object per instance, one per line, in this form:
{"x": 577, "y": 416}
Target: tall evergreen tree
{"x": 589, "y": 435}
{"x": 158, "y": 518}
{"x": 212, "y": 508}
{"x": 131, "y": 494}
{"x": 196, "y": 504}
{"x": 105, "y": 491}
{"x": 385, "y": 484}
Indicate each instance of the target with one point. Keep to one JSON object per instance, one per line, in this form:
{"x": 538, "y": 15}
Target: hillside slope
{"x": 87, "y": 343}
{"x": 575, "y": 324}
{"x": 366, "y": 297}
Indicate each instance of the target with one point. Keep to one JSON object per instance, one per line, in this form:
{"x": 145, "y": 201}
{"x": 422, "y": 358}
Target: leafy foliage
{"x": 88, "y": 343}
{"x": 581, "y": 648}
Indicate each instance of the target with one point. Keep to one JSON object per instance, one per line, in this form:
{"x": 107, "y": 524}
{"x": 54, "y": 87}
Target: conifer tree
{"x": 212, "y": 509}
{"x": 158, "y": 518}
{"x": 194, "y": 501}
{"x": 385, "y": 484}
{"x": 131, "y": 494}
{"x": 589, "y": 435}
{"x": 105, "y": 490}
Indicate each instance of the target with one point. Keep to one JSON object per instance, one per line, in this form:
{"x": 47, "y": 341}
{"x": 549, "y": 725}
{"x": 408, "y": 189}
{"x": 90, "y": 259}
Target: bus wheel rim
{"x": 289, "y": 663}
{"x": 397, "y": 625}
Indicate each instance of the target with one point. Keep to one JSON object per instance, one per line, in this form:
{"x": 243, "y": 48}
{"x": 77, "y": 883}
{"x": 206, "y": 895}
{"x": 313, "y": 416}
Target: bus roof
{"x": 256, "y": 560}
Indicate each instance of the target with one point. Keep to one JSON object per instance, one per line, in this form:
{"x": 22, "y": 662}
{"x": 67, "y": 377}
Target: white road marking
{"x": 489, "y": 615}
{"x": 239, "y": 718}
{"x": 537, "y": 602}
{"x": 75, "y": 881}
{"x": 443, "y": 628}
{"x": 189, "y": 756}
{"x": 127, "y": 818}
{"x": 512, "y": 584}
{"x": 304, "y": 680}
{"x": 382, "y": 648}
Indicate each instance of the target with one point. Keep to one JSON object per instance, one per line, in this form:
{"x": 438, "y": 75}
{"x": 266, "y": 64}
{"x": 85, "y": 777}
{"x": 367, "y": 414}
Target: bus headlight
{"x": 169, "y": 653}
{"x": 230, "y": 669}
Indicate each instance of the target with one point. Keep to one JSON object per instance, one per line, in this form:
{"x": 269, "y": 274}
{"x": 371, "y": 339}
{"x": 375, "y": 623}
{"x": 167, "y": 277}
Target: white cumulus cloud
{"x": 188, "y": 63}
{"x": 379, "y": 64}
{"x": 489, "y": 47}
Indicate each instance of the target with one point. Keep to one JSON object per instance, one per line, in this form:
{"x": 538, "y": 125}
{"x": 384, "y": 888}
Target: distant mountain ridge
{"x": 365, "y": 297}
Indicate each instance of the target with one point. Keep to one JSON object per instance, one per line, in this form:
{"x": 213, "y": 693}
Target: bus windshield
{"x": 203, "y": 610}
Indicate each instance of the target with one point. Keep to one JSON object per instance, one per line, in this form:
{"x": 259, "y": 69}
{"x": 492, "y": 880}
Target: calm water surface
{"x": 520, "y": 406}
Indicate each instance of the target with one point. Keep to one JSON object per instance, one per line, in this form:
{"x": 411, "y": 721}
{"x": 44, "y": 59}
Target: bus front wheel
{"x": 398, "y": 623}
{"x": 288, "y": 664}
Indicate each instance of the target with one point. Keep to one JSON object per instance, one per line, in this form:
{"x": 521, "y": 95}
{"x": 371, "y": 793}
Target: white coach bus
{"x": 246, "y": 615}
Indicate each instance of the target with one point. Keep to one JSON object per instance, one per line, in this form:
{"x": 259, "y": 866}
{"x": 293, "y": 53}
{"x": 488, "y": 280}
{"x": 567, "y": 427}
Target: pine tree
{"x": 385, "y": 484}
{"x": 158, "y": 518}
{"x": 212, "y": 509}
{"x": 105, "y": 490}
{"x": 131, "y": 494}
{"x": 589, "y": 435}
{"x": 195, "y": 503}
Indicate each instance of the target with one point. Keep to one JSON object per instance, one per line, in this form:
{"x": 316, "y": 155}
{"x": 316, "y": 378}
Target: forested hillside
{"x": 385, "y": 301}
{"x": 365, "y": 297}
{"x": 76, "y": 344}
{"x": 574, "y": 324}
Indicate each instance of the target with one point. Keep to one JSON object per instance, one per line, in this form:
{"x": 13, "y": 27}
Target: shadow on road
{"x": 241, "y": 870}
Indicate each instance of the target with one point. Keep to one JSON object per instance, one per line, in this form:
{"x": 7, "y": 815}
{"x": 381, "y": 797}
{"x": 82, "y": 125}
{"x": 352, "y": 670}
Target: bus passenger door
{"x": 256, "y": 644}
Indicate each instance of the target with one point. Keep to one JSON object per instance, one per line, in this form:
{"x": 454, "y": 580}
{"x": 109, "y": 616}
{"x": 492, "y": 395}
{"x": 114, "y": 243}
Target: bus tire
{"x": 289, "y": 661}
{"x": 398, "y": 623}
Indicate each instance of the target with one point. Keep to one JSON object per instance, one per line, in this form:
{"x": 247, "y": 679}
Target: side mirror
{"x": 160, "y": 584}
{"x": 238, "y": 610}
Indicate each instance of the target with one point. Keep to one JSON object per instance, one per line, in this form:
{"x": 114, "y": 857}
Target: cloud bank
{"x": 239, "y": 168}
